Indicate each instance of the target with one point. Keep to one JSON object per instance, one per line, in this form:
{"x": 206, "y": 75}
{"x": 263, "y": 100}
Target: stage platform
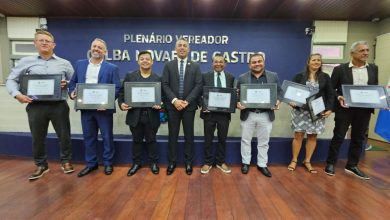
{"x": 19, "y": 144}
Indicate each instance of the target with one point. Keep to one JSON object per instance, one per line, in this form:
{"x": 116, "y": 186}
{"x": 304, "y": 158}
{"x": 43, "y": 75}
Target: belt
{"x": 144, "y": 111}
{"x": 258, "y": 110}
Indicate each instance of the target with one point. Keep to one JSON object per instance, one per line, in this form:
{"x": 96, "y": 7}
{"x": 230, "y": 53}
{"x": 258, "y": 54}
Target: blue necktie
{"x": 181, "y": 79}
{"x": 219, "y": 83}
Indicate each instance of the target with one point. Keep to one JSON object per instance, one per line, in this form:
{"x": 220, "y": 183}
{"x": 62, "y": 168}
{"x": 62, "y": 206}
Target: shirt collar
{"x": 53, "y": 56}
{"x": 184, "y": 60}
{"x": 96, "y": 64}
{"x": 216, "y": 73}
{"x": 351, "y": 65}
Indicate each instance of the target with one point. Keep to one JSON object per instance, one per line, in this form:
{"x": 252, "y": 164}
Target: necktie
{"x": 219, "y": 83}
{"x": 181, "y": 79}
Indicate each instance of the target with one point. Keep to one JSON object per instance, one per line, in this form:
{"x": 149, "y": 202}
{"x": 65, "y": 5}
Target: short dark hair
{"x": 145, "y": 52}
{"x": 219, "y": 55}
{"x": 259, "y": 54}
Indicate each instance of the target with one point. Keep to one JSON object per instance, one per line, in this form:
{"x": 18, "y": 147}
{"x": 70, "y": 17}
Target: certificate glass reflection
{"x": 217, "y": 99}
{"x": 258, "y": 95}
{"x": 365, "y": 96}
{"x": 95, "y": 96}
{"x": 40, "y": 87}
{"x": 316, "y": 107}
{"x": 220, "y": 100}
{"x": 142, "y": 94}
{"x": 297, "y": 93}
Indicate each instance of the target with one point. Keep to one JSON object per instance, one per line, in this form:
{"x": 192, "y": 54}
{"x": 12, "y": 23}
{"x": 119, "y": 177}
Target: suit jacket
{"x": 108, "y": 74}
{"x": 133, "y": 114}
{"x": 271, "y": 78}
{"x": 325, "y": 87}
{"x": 192, "y": 84}
{"x": 342, "y": 74}
{"x": 208, "y": 80}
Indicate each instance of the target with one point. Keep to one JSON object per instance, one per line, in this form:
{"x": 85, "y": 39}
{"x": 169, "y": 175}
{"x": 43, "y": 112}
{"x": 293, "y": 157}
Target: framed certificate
{"x": 142, "y": 94}
{"x": 41, "y": 87}
{"x": 316, "y": 106}
{"x": 95, "y": 96}
{"x": 216, "y": 99}
{"x": 295, "y": 92}
{"x": 365, "y": 96}
{"x": 258, "y": 95}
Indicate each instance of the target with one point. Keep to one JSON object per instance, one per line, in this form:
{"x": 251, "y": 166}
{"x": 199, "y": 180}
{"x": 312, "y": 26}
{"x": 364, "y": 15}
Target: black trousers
{"x": 219, "y": 121}
{"x": 359, "y": 119}
{"x": 174, "y": 119}
{"x": 39, "y": 115}
{"x": 144, "y": 130}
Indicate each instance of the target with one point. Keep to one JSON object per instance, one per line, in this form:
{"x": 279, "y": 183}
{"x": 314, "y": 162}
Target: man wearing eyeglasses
{"x": 40, "y": 113}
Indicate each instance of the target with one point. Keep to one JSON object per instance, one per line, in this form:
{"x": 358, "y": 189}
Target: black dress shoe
{"x": 154, "y": 168}
{"x": 329, "y": 169}
{"x": 244, "y": 168}
{"x": 354, "y": 170}
{"x": 171, "y": 168}
{"x": 188, "y": 169}
{"x": 86, "y": 171}
{"x": 108, "y": 169}
{"x": 264, "y": 171}
{"x": 134, "y": 169}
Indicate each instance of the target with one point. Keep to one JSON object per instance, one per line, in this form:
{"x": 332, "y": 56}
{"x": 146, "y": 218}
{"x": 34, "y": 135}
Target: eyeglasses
{"x": 44, "y": 41}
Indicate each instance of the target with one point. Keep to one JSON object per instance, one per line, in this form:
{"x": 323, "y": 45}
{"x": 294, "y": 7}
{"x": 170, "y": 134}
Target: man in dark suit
{"x": 258, "y": 121}
{"x": 182, "y": 85}
{"x": 96, "y": 70}
{"x": 143, "y": 122}
{"x": 212, "y": 120}
{"x": 356, "y": 72}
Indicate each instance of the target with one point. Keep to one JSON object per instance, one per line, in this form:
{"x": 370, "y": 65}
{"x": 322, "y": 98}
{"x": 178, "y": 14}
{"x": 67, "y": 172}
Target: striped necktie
{"x": 181, "y": 79}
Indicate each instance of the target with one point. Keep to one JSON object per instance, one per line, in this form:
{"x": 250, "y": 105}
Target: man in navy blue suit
{"x": 96, "y": 70}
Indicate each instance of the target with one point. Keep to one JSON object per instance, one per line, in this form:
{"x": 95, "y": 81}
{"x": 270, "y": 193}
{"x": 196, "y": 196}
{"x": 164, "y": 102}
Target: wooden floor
{"x": 287, "y": 195}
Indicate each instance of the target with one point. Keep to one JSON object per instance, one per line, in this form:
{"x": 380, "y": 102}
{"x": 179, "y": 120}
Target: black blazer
{"x": 325, "y": 87}
{"x": 133, "y": 114}
{"x": 192, "y": 84}
{"x": 208, "y": 80}
{"x": 342, "y": 74}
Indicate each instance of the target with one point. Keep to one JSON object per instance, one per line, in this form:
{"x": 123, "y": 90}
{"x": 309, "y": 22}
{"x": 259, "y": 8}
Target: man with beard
{"x": 258, "y": 121}
{"x": 96, "y": 70}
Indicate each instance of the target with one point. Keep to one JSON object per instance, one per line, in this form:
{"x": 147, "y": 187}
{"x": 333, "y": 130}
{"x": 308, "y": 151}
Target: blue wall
{"x": 284, "y": 43}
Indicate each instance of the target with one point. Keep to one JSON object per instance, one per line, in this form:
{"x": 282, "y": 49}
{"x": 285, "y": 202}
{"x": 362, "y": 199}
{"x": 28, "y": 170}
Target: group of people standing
{"x": 182, "y": 83}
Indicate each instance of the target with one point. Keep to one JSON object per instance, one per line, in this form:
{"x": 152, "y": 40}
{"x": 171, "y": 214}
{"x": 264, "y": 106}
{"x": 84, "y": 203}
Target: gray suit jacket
{"x": 192, "y": 84}
{"x": 208, "y": 80}
{"x": 272, "y": 77}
